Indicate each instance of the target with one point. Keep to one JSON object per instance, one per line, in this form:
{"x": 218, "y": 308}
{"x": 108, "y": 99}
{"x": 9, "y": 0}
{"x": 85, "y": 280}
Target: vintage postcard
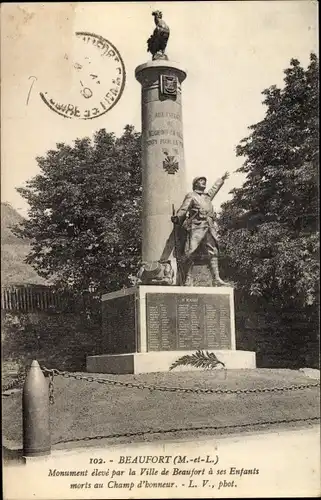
{"x": 160, "y": 250}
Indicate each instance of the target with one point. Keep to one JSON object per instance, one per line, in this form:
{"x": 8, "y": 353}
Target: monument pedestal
{"x": 147, "y": 328}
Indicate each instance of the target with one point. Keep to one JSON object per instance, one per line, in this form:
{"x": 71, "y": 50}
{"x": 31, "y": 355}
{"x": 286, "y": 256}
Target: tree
{"x": 270, "y": 227}
{"x": 84, "y": 217}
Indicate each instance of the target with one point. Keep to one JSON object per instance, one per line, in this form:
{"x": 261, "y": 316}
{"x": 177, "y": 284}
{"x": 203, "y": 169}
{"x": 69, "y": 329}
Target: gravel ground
{"x": 96, "y": 412}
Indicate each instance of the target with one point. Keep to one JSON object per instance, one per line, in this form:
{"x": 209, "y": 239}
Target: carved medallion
{"x": 170, "y": 164}
{"x": 168, "y": 85}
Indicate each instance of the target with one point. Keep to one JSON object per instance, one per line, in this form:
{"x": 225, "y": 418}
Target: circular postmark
{"x": 96, "y": 79}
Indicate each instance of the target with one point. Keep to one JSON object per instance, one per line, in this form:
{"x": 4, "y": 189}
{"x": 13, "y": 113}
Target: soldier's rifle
{"x": 177, "y": 252}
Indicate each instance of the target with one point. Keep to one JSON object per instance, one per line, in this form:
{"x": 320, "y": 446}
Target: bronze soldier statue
{"x": 158, "y": 40}
{"x": 197, "y": 217}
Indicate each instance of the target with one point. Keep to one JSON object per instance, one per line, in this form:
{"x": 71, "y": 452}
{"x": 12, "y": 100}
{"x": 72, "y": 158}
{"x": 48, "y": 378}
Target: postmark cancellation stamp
{"x": 98, "y": 79}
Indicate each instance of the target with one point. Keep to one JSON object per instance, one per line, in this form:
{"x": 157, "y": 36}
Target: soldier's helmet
{"x": 197, "y": 179}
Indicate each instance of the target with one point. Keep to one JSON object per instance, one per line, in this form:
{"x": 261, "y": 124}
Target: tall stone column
{"x": 163, "y": 164}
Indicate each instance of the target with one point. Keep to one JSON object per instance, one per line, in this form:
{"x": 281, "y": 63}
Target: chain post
{"x": 35, "y": 412}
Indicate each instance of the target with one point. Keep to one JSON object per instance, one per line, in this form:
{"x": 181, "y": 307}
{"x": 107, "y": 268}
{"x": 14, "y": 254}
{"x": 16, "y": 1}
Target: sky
{"x": 231, "y": 50}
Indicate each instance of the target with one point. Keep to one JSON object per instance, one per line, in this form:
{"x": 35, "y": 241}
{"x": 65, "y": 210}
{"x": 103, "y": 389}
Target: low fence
{"x": 37, "y": 393}
{"x": 32, "y": 298}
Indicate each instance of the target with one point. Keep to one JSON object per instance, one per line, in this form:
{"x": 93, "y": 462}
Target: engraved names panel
{"x": 187, "y": 321}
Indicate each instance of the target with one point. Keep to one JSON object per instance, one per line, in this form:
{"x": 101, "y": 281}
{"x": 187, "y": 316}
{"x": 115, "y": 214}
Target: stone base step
{"x": 161, "y": 361}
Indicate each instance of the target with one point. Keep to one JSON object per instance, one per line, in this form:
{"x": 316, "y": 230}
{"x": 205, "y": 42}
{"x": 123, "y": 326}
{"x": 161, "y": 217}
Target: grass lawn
{"x": 89, "y": 409}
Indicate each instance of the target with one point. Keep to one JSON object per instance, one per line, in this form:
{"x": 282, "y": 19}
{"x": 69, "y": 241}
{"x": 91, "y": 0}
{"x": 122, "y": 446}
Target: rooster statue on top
{"x": 158, "y": 40}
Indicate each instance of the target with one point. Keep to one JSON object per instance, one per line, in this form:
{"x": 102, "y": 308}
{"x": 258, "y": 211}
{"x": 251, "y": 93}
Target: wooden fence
{"x": 29, "y": 298}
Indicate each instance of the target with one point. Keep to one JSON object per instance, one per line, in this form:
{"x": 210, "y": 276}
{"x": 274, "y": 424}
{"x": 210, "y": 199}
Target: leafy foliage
{"x": 270, "y": 227}
{"x": 199, "y": 359}
{"x": 84, "y": 218}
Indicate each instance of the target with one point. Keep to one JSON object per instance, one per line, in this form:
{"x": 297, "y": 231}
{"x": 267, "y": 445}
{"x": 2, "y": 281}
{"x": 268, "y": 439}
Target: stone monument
{"x": 147, "y": 327}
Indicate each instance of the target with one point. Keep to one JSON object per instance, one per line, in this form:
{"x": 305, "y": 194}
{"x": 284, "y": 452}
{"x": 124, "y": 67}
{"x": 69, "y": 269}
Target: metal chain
{"x": 187, "y": 429}
{"x": 53, "y": 372}
{"x": 17, "y": 383}
{"x": 51, "y": 388}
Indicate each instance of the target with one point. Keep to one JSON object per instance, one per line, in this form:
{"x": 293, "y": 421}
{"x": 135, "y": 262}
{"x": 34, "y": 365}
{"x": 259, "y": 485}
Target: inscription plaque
{"x": 119, "y": 325}
{"x": 187, "y": 322}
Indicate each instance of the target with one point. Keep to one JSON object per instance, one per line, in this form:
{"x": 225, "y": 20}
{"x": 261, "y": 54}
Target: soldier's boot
{"x": 213, "y": 265}
{"x": 188, "y": 281}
